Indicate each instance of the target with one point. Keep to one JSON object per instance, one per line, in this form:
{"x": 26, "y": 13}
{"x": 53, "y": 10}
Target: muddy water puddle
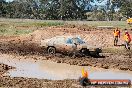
{"x": 44, "y": 69}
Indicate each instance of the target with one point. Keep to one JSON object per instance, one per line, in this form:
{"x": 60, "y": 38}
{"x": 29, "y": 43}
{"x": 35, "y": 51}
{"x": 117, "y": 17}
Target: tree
{"x": 2, "y": 8}
{"x": 125, "y": 7}
{"x": 73, "y": 9}
{"x": 64, "y": 9}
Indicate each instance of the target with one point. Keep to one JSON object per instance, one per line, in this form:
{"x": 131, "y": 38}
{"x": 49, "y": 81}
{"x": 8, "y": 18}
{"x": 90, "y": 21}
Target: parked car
{"x": 69, "y": 45}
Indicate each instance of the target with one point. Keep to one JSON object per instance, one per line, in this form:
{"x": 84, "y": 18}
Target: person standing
{"x": 116, "y": 36}
{"x": 127, "y": 39}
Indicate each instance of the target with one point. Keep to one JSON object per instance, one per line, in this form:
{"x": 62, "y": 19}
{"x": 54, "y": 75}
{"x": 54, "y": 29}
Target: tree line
{"x": 67, "y": 9}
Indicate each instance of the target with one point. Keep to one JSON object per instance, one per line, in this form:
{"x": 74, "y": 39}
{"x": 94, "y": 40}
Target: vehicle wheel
{"x": 97, "y": 54}
{"x": 94, "y": 54}
{"x": 98, "y": 50}
{"x": 85, "y": 52}
{"x": 51, "y": 50}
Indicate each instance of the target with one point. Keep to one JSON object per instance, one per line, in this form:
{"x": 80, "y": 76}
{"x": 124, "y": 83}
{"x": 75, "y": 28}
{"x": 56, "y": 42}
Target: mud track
{"x": 30, "y": 45}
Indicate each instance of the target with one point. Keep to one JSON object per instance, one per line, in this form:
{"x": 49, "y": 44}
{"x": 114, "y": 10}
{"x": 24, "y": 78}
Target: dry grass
{"x": 11, "y": 26}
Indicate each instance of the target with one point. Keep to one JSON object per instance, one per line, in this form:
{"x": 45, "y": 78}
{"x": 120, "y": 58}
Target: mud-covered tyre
{"x": 94, "y": 54}
{"x": 98, "y": 50}
{"x": 51, "y": 50}
{"x": 97, "y": 54}
{"x": 85, "y": 52}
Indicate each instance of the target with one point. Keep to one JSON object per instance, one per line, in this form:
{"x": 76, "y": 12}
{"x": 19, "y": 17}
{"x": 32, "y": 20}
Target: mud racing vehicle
{"x": 70, "y": 45}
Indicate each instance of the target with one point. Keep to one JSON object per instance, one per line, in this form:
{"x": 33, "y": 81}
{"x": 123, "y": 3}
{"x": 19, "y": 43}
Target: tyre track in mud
{"x": 108, "y": 62}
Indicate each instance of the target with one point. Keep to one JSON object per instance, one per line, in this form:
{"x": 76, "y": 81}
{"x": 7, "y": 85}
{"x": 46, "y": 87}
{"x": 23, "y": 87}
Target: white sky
{"x": 96, "y": 3}
{"x": 9, "y": 0}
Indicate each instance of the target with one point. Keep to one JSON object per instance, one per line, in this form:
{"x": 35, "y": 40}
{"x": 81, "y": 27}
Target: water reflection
{"x": 51, "y": 70}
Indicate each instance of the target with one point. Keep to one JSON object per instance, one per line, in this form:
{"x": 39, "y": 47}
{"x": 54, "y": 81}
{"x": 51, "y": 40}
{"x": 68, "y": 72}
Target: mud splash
{"x": 50, "y": 70}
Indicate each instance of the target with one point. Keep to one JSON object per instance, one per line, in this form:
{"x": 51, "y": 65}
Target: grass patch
{"x": 11, "y": 26}
{"x": 113, "y": 50}
{"x": 31, "y": 22}
{"x": 8, "y": 29}
{"x": 47, "y": 24}
{"x": 8, "y": 26}
{"x": 9, "y": 32}
{"x": 37, "y": 24}
{"x": 19, "y": 32}
{"x": 118, "y": 51}
{"x": 120, "y": 24}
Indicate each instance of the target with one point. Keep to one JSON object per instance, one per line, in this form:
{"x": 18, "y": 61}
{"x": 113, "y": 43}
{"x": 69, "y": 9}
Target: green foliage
{"x": 125, "y": 7}
{"x": 66, "y": 9}
{"x": 3, "y": 30}
{"x": 96, "y": 15}
{"x": 19, "y": 32}
{"x": 45, "y": 9}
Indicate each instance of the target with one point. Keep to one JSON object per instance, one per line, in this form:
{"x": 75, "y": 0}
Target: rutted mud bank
{"x": 113, "y": 61}
{"x": 110, "y": 61}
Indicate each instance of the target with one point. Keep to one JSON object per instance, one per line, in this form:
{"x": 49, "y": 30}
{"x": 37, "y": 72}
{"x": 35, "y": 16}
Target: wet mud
{"x": 28, "y": 47}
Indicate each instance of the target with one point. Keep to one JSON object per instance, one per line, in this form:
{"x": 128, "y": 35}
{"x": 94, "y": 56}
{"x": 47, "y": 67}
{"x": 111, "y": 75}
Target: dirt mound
{"x": 18, "y": 44}
{"x": 31, "y": 43}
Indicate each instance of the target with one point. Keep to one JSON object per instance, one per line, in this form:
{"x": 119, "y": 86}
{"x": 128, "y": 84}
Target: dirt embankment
{"x": 109, "y": 62}
{"x": 36, "y": 83}
{"x": 30, "y": 44}
{"x": 7, "y": 82}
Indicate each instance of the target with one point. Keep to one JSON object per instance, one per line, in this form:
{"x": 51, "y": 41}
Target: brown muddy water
{"x": 44, "y": 69}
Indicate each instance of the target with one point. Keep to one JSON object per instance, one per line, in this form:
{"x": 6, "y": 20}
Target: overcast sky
{"x": 96, "y": 3}
{"x": 9, "y": 0}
